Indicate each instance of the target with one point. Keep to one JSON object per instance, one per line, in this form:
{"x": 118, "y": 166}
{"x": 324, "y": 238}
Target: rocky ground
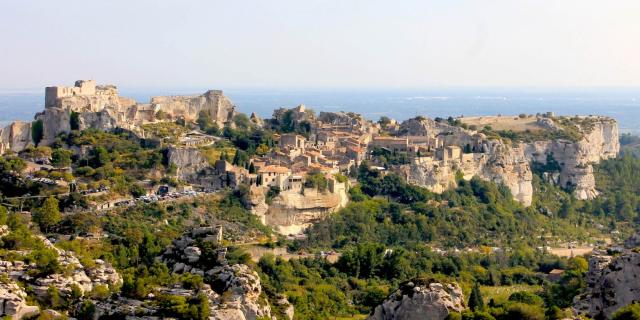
{"x": 233, "y": 291}
{"x": 612, "y": 283}
{"x": 421, "y": 300}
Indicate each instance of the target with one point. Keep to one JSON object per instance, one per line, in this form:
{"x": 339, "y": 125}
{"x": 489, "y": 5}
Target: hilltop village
{"x": 304, "y": 147}
{"x": 122, "y": 191}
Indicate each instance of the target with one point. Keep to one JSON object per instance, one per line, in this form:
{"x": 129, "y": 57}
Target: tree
{"x": 629, "y": 312}
{"x": 3, "y": 215}
{"x": 475, "y": 298}
{"x": 61, "y": 158}
{"x": 55, "y": 301}
{"x": 37, "y": 131}
{"x": 521, "y": 311}
{"x": 137, "y": 190}
{"x": 242, "y": 121}
{"x": 204, "y": 120}
{"x": 48, "y": 215}
{"x": 262, "y": 149}
{"x": 74, "y": 120}
{"x": 99, "y": 157}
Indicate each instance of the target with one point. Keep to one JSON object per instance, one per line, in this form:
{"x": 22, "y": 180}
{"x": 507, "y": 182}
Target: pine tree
{"x": 475, "y": 299}
{"x": 48, "y": 215}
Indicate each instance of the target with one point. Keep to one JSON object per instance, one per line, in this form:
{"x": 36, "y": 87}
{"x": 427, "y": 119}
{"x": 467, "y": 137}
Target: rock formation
{"x": 291, "y": 212}
{"x": 511, "y": 163}
{"x": 189, "y": 163}
{"x": 236, "y": 290}
{"x": 219, "y": 108}
{"x": 256, "y": 120}
{"x": 87, "y": 105}
{"x": 612, "y": 283}
{"x": 12, "y": 297}
{"x": 295, "y": 115}
{"x": 421, "y": 299}
{"x": 13, "y": 302}
{"x": 15, "y": 137}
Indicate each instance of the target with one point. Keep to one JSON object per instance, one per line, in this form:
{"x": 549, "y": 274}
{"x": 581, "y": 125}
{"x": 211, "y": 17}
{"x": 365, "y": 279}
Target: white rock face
{"x": 237, "y": 290}
{"x": 15, "y": 137}
{"x": 242, "y": 291}
{"x": 101, "y": 107}
{"x": 86, "y": 278}
{"x": 189, "y": 162}
{"x": 612, "y": 283}
{"x": 13, "y": 302}
{"x": 219, "y": 107}
{"x": 291, "y": 212}
{"x": 511, "y": 164}
{"x": 12, "y": 297}
{"x": 421, "y": 301}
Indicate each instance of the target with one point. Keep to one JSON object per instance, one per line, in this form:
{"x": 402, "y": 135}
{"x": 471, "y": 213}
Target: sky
{"x": 314, "y": 43}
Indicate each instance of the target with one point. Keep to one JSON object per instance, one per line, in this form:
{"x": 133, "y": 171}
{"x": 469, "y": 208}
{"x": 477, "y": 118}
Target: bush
{"x": 526, "y": 297}
{"x": 521, "y": 311}
{"x": 629, "y": 312}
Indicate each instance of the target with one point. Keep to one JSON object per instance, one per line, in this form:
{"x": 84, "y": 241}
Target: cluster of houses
{"x": 336, "y": 143}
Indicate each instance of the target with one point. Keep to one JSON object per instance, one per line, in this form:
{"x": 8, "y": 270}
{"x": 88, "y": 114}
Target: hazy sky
{"x": 320, "y": 43}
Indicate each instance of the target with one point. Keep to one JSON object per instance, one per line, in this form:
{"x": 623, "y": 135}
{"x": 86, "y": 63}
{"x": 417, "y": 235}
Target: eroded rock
{"x": 421, "y": 300}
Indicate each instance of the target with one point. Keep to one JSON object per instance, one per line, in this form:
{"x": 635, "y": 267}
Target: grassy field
{"x": 501, "y": 293}
{"x": 513, "y": 123}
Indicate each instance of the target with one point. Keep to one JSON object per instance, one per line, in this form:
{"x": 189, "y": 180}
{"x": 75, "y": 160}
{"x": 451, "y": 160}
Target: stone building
{"x": 275, "y": 176}
{"x": 81, "y": 88}
{"x": 292, "y": 141}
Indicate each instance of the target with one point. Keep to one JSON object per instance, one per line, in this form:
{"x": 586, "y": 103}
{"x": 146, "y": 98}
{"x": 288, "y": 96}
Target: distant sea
{"x": 623, "y": 104}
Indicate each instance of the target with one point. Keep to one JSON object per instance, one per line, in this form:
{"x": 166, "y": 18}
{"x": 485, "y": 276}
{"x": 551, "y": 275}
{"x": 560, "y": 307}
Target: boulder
{"x": 421, "y": 300}
{"x": 612, "y": 283}
{"x": 13, "y": 302}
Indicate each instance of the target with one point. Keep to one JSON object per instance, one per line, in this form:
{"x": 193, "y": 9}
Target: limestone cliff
{"x": 499, "y": 163}
{"x": 87, "y": 105}
{"x": 510, "y": 163}
{"x": 189, "y": 163}
{"x": 15, "y": 137}
{"x": 421, "y": 299}
{"x": 234, "y": 291}
{"x": 292, "y": 212}
{"x": 612, "y": 283}
{"x": 213, "y": 102}
{"x": 576, "y": 158}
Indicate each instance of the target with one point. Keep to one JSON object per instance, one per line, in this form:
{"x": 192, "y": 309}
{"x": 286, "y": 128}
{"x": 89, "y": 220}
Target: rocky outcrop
{"x": 576, "y": 158}
{"x": 291, "y": 212}
{"x": 189, "y": 163}
{"x": 13, "y": 303}
{"x": 86, "y": 278}
{"x": 256, "y": 120}
{"x": 612, "y": 283}
{"x": 218, "y": 107}
{"x": 511, "y": 163}
{"x": 89, "y": 106}
{"x": 296, "y": 115}
{"x": 236, "y": 290}
{"x": 421, "y": 299}
{"x": 499, "y": 163}
{"x": 15, "y": 137}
